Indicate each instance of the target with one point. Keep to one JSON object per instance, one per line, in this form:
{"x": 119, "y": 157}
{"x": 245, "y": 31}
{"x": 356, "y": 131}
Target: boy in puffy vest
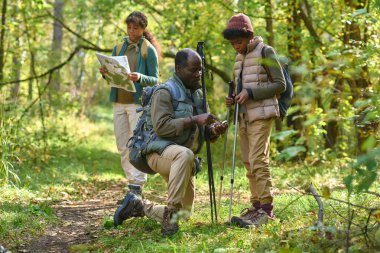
{"x": 258, "y": 107}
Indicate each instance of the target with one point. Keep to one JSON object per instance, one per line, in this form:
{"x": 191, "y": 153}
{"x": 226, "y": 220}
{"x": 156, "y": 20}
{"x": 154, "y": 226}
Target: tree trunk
{"x": 332, "y": 128}
{"x": 57, "y": 42}
{"x": 269, "y": 22}
{"x": 352, "y": 36}
{"x": 2, "y": 38}
{"x": 269, "y": 28}
{"x": 15, "y": 90}
{"x": 294, "y": 47}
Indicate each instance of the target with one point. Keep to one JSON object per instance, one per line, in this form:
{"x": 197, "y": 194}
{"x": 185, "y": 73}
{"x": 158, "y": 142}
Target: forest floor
{"x": 79, "y": 222}
{"x": 66, "y": 204}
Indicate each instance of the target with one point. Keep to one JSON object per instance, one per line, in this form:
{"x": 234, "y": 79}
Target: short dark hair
{"x": 236, "y": 33}
{"x": 181, "y": 57}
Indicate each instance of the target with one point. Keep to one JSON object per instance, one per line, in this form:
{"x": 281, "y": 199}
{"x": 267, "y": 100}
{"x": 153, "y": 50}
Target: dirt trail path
{"x": 80, "y": 222}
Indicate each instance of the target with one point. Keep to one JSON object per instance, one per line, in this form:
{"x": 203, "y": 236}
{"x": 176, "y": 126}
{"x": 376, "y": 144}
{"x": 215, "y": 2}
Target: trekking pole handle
{"x": 230, "y": 88}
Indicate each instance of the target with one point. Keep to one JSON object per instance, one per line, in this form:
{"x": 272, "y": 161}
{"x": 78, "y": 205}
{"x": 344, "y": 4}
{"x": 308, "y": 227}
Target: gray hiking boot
{"x": 132, "y": 206}
{"x": 245, "y": 214}
{"x": 169, "y": 226}
{"x": 135, "y": 189}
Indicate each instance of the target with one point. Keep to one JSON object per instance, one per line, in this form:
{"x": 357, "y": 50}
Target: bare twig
{"x": 341, "y": 216}
{"x": 72, "y": 54}
{"x": 373, "y": 193}
{"x": 40, "y": 93}
{"x": 72, "y": 31}
{"x": 309, "y": 25}
{"x": 320, "y": 205}
{"x": 338, "y": 200}
{"x": 291, "y": 202}
{"x": 350, "y": 216}
{"x": 225, "y": 77}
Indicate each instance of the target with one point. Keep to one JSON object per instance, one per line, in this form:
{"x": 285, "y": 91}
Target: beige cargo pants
{"x": 255, "y": 145}
{"x": 125, "y": 119}
{"x": 176, "y": 166}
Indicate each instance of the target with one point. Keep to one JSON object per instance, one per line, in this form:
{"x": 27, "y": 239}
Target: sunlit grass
{"x": 86, "y": 160}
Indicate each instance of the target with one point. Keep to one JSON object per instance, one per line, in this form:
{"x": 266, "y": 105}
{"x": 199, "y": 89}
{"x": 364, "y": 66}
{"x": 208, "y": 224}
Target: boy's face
{"x": 240, "y": 44}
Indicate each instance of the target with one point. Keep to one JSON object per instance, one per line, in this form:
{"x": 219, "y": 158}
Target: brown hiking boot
{"x": 169, "y": 226}
{"x": 260, "y": 218}
{"x": 245, "y": 214}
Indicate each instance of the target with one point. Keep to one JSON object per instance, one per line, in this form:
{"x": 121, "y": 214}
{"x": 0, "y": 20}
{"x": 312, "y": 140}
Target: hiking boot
{"x": 169, "y": 226}
{"x": 132, "y": 206}
{"x": 245, "y": 214}
{"x": 260, "y": 218}
{"x": 135, "y": 189}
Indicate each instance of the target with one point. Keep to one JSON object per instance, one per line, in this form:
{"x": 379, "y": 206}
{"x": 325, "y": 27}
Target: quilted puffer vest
{"x": 254, "y": 75}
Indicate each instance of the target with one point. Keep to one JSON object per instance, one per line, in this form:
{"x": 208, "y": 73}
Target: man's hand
{"x": 134, "y": 76}
{"x": 204, "y": 119}
{"x": 229, "y": 101}
{"x": 219, "y": 128}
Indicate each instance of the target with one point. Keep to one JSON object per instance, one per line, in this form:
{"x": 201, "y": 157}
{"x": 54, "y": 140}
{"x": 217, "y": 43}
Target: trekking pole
{"x": 230, "y": 90}
{"x": 236, "y": 122}
{"x": 233, "y": 159}
{"x": 207, "y": 139}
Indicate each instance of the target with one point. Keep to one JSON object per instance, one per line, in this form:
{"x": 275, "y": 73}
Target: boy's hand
{"x": 242, "y": 97}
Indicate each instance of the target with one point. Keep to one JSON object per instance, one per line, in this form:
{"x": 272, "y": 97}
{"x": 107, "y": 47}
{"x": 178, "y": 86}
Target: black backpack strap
{"x": 265, "y": 66}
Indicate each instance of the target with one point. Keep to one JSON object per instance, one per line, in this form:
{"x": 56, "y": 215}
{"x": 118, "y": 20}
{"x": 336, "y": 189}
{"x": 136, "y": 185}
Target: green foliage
{"x": 335, "y": 115}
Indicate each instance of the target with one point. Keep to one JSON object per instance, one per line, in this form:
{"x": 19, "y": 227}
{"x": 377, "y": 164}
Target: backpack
{"x": 285, "y": 99}
{"x": 142, "y": 134}
{"x": 143, "y": 50}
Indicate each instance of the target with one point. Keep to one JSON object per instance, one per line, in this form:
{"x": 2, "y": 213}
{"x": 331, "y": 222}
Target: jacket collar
{"x": 253, "y": 43}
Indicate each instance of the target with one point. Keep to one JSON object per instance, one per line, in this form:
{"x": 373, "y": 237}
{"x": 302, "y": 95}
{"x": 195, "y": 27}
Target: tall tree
{"x": 2, "y": 38}
{"x": 353, "y": 38}
{"x": 57, "y": 41}
{"x": 294, "y": 49}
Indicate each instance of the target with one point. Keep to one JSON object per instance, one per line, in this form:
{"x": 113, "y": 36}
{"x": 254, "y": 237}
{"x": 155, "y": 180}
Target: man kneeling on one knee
{"x": 180, "y": 130}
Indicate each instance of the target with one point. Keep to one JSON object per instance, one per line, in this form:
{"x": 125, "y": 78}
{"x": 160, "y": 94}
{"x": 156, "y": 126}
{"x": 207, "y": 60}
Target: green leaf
{"x": 291, "y": 152}
{"x": 281, "y": 136}
{"x": 348, "y": 182}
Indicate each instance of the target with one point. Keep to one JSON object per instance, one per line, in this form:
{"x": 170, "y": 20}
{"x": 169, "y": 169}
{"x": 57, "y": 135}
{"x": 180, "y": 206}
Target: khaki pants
{"x": 125, "y": 119}
{"x": 254, "y": 145}
{"x": 176, "y": 166}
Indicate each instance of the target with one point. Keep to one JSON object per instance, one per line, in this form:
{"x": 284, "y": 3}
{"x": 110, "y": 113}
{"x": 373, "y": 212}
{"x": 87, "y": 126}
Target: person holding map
{"x": 142, "y": 51}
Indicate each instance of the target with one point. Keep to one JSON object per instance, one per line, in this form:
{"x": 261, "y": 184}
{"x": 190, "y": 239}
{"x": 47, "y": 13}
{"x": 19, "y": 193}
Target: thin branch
{"x": 338, "y": 200}
{"x": 76, "y": 50}
{"x": 291, "y": 202}
{"x": 309, "y": 26}
{"x": 351, "y": 216}
{"x": 373, "y": 193}
{"x": 341, "y": 216}
{"x": 225, "y": 77}
{"x": 37, "y": 98}
{"x": 72, "y": 31}
{"x": 320, "y": 204}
